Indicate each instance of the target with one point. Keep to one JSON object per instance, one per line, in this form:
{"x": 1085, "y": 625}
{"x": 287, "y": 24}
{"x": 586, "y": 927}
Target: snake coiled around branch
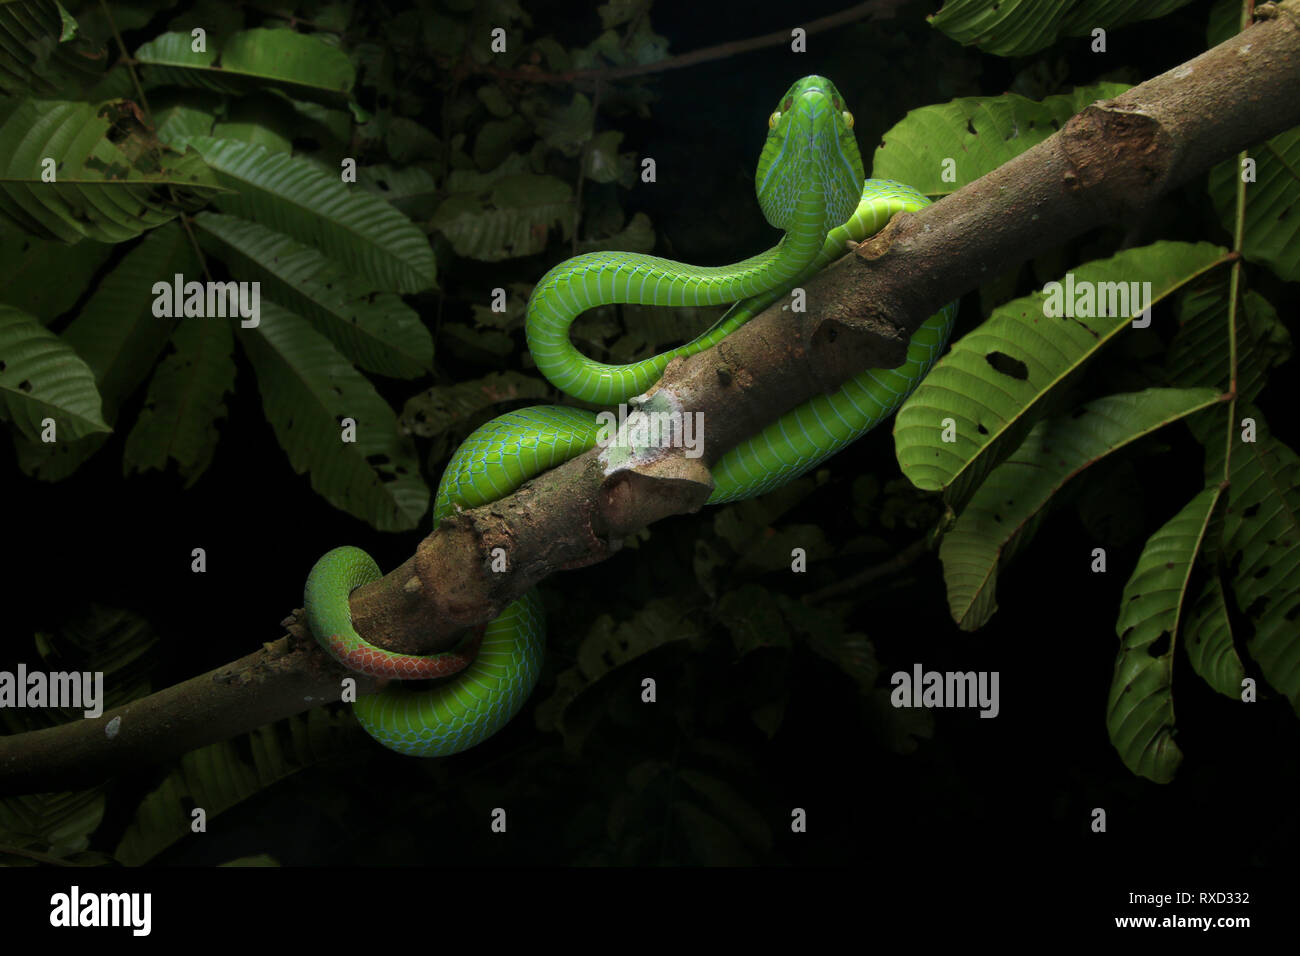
{"x": 810, "y": 185}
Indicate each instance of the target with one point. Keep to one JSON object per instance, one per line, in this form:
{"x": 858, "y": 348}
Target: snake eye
{"x": 773, "y": 120}
{"x": 848, "y": 119}
{"x": 788, "y": 104}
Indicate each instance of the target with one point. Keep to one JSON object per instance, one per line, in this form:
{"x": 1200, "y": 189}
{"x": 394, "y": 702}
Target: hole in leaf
{"x": 1160, "y": 646}
{"x": 1004, "y": 363}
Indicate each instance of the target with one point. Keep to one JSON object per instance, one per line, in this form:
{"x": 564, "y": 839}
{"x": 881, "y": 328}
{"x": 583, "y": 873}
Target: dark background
{"x": 1007, "y": 800}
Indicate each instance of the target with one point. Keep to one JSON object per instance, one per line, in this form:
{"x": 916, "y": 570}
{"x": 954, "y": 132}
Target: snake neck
{"x": 606, "y": 278}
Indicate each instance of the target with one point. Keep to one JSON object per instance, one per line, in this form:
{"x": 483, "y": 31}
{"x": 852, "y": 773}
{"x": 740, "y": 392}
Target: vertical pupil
{"x": 788, "y": 103}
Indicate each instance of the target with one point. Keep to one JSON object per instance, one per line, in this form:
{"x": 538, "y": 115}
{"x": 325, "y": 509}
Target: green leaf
{"x": 308, "y": 389}
{"x": 55, "y": 461}
{"x": 300, "y": 65}
{"x": 375, "y": 329}
{"x": 107, "y": 188}
{"x": 1021, "y": 27}
{"x": 1272, "y": 226}
{"x": 852, "y": 652}
{"x": 179, "y": 123}
{"x": 120, "y": 338}
{"x": 1224, "y": 21}
{"x": 567, "y": 128}
{"x": 1004, "y": 512}
{"x": 645, "y": 46}
{"x": 222, "y": 775}
{"x": 448, "y": 413}
{"x": 351, "y": 226}
{"x": 39, "y": 52}
{"x": 650, "y": 329}
{"x": 331, "y": 128}
{"x": 254, "y": 134}
{"x": 602, "y": 160}
{"x": 1209, "y": 639}
{"x": 1000, "y": 379}
{"x": 512, "y": 317}
{"x": 1199, "y": 353}
{"x": 184, "y": 402}
{"x": 114, "y": 641}
{"x": 53, "y": 825}
{"x": 410, "y": 189}
{"x": 494, "y": 98}
{"x": 42, "y": 377}
{"x": 1140, "y": 710}
{"x": 409, "y": 142}
{"x": 637, "y": 236}
{"x": 1262, "y": 545}
{"x": 556, "y": 55}
{"x": 495, "y": 140}
{"x": 117, "y": 333}
{"x": 940, "y": 148}
{"x": 504, "y": 217}
{"x": 46, "y": 278}
{"x": 271, "y": 120}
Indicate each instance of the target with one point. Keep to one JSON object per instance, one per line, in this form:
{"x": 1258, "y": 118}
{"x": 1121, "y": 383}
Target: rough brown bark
{"x": 1107, "y": 163}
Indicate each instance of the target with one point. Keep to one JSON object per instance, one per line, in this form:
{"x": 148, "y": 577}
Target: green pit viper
{"x": 810, "y": 185}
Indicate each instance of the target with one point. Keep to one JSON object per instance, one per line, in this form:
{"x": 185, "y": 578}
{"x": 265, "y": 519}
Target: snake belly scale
{"x": 810, "y": 185}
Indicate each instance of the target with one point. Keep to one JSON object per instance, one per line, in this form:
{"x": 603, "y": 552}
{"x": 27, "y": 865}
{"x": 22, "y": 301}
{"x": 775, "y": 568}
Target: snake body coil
{"x": 810, "y": 184}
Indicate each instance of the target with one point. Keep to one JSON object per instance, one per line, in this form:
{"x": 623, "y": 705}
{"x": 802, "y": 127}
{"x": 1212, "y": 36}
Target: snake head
{"x": 810, "y": 143}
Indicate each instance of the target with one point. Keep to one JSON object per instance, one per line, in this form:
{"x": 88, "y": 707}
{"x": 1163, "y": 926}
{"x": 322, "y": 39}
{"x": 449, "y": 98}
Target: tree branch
{"x": 1108, "y": 162}
{"x": 876, "y": 9}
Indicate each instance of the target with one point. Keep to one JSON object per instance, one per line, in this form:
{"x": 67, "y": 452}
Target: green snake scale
{"x": 810, "y": 185}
